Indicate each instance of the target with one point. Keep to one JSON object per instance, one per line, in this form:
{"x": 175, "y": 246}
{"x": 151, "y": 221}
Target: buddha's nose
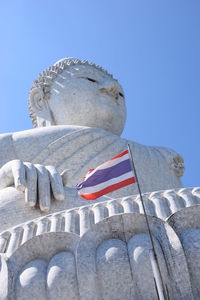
{"x": 110, "y": 87}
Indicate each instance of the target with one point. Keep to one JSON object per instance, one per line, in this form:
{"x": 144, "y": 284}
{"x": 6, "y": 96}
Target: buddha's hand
{"x": 37, "y": 181}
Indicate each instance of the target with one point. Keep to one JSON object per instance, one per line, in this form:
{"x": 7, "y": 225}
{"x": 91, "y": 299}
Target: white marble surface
{"x": 97, "y": 251}
{"x": 110, "y": 261}
{"x": 83, "y": 109}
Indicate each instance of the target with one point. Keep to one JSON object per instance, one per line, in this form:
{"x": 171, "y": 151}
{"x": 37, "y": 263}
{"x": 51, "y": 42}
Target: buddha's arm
{"x": 37, "y": 181}
{"x": 7, "y": 151}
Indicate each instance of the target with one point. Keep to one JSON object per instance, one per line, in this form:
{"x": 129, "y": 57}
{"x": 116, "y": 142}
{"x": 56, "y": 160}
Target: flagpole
{"x": 153, "y": 255}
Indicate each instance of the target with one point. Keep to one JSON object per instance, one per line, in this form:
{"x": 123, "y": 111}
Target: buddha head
{"x": 75, "y": 92}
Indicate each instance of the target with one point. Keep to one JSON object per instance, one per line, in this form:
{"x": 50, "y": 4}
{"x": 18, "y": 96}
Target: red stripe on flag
{"x": 108, "y": 189}
{"x": 120, "y": 155}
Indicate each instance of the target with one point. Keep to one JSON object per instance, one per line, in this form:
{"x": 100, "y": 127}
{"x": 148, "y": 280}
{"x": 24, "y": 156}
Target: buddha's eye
{"x": 121, "y": 95}
{"x": 91, "y": 79}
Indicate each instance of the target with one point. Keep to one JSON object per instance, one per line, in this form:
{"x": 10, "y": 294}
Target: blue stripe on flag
{"x": 106, "y": 174}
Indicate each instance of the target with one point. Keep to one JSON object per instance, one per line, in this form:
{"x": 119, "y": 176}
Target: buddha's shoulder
{"x": 14, "y": 144}
{"x": 54, "y": 130}
{"x": 39, "y": 138}
{"x": 48, "y": 135}
{"x": 43, "y": 134}
{"x": 152, "y": 150}
{"x": 46, "y": 132}
{"x": 159, "y": 156}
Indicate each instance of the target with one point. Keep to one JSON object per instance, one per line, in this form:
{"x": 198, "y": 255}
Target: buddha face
{"x": 85, "y": 96}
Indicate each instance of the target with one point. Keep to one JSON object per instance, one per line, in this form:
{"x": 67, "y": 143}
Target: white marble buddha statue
{"x": 78, "y": 111}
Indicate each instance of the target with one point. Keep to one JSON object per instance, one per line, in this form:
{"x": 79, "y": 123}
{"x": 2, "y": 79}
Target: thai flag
{"x": 108, "y": 177}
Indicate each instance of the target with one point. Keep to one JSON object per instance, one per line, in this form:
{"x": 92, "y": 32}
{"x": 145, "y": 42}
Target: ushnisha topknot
{"x": 42, "y": 85}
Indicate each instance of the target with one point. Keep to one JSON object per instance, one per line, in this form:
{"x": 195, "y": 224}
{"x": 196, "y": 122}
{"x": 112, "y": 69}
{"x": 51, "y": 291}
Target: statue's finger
{"x": 31, "y": 184}
{"x": 56, "y": 183}
{"x": 43, "y": 188}
{"x": 18, "y": 171}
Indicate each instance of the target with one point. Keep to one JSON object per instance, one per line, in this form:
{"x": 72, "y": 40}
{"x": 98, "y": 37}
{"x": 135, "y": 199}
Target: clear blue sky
{"x": 152, "y": 47}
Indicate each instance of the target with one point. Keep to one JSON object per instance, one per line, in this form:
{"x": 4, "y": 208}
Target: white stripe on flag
{"x": 108, "y": 164}
{"x": 101, "y": 186}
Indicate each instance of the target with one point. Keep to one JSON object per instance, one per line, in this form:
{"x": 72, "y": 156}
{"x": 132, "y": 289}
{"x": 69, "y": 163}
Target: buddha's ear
{"x": 39, "y": 107}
